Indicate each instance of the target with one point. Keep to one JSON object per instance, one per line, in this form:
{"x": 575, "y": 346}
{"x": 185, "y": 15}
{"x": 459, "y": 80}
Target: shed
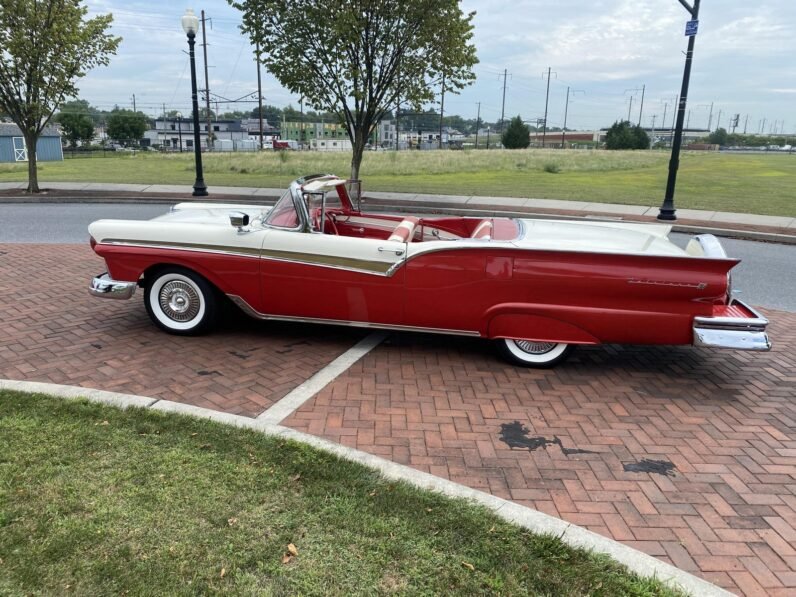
{"x": 13, "y": 147}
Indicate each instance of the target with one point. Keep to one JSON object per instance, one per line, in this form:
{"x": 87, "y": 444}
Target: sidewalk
{"x": 758, "y": 227}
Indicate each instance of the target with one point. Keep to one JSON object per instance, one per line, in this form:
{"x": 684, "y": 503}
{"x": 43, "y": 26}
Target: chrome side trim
{"x": 737, "y": 333}
{"x": 251, "y": 312}
{"x": 104, "y": 287}
{"x": 201, "y": 248}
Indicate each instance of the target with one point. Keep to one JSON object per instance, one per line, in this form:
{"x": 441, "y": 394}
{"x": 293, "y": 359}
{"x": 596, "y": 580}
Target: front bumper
{"x": 745, "y": 329}
{"x": 104, "y": 287}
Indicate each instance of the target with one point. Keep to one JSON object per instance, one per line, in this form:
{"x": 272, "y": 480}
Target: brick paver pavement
{"x": 719, "y": 428}
{"x": 52, "y": 330}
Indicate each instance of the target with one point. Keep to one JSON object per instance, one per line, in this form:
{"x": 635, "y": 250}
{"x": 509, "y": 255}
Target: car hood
{"x": 597, "y": 237}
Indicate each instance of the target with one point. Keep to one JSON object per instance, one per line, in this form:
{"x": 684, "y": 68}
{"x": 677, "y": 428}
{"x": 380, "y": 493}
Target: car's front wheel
{"x": 180, "y": 301}
{"x": 531, "y": 353}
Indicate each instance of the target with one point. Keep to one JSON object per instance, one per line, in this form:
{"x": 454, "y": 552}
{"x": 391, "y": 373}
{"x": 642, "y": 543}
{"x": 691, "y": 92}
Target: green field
{"x": 750, "y": 183}
{"x": 99, "y": 501}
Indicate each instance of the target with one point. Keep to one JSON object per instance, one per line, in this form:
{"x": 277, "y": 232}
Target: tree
{"x": 719, "y": 137}
{"x": 358, "y": 58}
{"x": 126, "y": 125}
{"x": 77, "y": 127}
{"x": 623, "y": 135}
{"x": 45, "y": 47}
{"x": 517, "y": 135}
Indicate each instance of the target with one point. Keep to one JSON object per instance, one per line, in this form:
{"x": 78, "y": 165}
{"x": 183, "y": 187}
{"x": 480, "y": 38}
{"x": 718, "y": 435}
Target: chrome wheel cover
{"x": 179, "y": 301}
{"x": 532, "y": 347}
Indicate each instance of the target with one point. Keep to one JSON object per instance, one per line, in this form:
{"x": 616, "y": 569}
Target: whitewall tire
{"x": 180, "y": 301}
{"x": 531, "y": 353}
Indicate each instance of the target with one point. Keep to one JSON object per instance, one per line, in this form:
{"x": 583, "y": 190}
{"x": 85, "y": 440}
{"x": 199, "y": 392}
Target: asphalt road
{"x": 765, "y": 277}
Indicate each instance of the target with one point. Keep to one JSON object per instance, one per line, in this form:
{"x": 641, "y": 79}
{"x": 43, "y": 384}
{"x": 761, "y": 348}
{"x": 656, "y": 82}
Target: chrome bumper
{"x": 737, "y": 333}
{"x": 102, "y": 286}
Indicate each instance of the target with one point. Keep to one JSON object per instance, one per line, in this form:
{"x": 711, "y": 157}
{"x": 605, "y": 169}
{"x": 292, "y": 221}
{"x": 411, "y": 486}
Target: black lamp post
{"x": 667, "y": 209}
{"x": 190, "y": 24}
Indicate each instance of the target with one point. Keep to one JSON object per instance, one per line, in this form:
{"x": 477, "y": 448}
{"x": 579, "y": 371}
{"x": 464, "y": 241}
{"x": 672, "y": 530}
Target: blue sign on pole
{"x": 691, "y": 28}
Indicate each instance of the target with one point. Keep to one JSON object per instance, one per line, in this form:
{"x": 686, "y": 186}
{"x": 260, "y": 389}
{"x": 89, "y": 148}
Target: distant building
{"x": 14, "y": 149}
{"x": 304, "y": 132}
{"x": 177, "y": 134}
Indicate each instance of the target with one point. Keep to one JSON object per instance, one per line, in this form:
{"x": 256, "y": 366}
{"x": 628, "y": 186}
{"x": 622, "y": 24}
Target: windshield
{"x": 284, "y": 213}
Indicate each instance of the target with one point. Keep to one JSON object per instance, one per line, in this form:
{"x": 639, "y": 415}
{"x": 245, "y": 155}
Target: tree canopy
{"x": 358, "y": 59}
{"x": 517, "y": 135}
{"x": 76, "y": 123}
{"x": 126, "y": 126}
{"x": 624, "y": 135}
{"x": 719, "y": 137}
{"x": 45, "y": 47}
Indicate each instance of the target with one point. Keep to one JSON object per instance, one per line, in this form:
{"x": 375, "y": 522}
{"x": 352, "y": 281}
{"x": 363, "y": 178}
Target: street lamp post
{"x": 179, "y": 128}
{"x": 190, "y": 24}
{"x": 667, "y": 211}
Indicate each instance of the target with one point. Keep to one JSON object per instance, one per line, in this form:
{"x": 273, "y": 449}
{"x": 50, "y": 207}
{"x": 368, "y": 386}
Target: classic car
{"x": 537, "y": 287}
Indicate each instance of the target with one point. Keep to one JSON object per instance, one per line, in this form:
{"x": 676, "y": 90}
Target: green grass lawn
{"x": 99, "y": 501}
{"x": 750, "y": 183}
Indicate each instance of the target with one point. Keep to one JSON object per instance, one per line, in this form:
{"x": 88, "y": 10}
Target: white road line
{"x": 533, "y": 520}
{"x": 298, "y": 396}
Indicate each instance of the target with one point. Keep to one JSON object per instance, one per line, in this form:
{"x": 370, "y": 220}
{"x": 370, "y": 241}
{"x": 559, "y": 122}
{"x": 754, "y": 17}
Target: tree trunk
{"x": 358, "y": 150}
{"x": 33, "y": 174}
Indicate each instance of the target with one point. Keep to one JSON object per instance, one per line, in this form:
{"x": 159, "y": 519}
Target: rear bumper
{"x": 747, "y": 331}
{"x": 104, "y": 287}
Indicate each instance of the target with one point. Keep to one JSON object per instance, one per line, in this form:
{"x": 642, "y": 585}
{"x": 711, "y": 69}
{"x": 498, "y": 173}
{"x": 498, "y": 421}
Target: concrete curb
{"x": 533, "y": 520}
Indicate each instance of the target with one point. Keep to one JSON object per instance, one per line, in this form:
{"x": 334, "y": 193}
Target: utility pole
{"x": 667, "y": 210}
{"x": 477, "y": 124}
{"x": 652, "y": 137}
{"x": 710, "y": 117}
{"x": 718, "y": 121}
{"x": 745, "y": 122}
{"x": 546, "y": 102}
{"x": 134, "y": 110}
{"x": 207, "y": 87}
{"x": 629, "y": 108}
{"x": 259, "y": 92}
{"x": 503, "y": 106}
{"x": 566, "y": 110}
{"x": 665, "y": 106}
{"x": 688, "y": 119}
{"x": 641, "y": 109}
{"x": 441, "y": 109}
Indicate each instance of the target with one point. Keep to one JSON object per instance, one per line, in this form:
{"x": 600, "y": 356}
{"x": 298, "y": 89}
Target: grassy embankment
{"x": 98, "y": 501}
{"x": 761, "y": 184}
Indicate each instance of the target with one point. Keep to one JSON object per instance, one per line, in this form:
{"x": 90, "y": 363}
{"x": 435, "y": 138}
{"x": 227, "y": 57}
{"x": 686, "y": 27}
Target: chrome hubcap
{"x": 179, "y": 301}
{"x": 535, "y": 347}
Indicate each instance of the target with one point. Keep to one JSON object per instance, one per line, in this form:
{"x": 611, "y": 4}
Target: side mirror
{"x": 238, "y": 219}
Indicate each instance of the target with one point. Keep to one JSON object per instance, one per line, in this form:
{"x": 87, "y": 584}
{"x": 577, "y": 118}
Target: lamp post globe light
{"x": 190, "y": 24}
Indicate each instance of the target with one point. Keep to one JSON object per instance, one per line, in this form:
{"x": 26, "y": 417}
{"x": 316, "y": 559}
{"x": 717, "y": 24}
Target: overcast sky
{"x": 744, "y": 60}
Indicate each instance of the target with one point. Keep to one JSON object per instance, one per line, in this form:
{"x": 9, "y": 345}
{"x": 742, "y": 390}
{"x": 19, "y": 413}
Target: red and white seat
{"x": 405, "y": 230}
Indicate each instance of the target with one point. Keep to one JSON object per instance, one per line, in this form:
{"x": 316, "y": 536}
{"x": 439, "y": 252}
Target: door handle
{"x": 388, "y": 250}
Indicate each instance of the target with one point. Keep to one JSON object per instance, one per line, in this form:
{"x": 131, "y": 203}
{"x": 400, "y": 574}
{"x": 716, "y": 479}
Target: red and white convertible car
{"x": 537, "y": 287}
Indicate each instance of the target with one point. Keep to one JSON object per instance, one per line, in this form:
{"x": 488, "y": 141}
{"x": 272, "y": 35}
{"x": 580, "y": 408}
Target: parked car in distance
{"x": 536, "y": 287}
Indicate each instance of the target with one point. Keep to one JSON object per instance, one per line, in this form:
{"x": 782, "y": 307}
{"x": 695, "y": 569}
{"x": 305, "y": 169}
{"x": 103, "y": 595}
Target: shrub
{"x": 551, "y": 168}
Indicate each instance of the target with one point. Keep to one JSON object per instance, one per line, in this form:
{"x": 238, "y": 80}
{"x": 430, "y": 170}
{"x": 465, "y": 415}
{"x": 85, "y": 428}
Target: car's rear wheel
{"x": 531, "y": 353}
{"x": 180, "y": 301}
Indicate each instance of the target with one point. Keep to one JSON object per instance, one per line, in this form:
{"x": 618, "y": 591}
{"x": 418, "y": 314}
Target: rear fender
{"x": 513, "y": 323}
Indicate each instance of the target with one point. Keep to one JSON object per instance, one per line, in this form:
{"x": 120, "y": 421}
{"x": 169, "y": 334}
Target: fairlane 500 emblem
{"x": 698, "y": 286}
